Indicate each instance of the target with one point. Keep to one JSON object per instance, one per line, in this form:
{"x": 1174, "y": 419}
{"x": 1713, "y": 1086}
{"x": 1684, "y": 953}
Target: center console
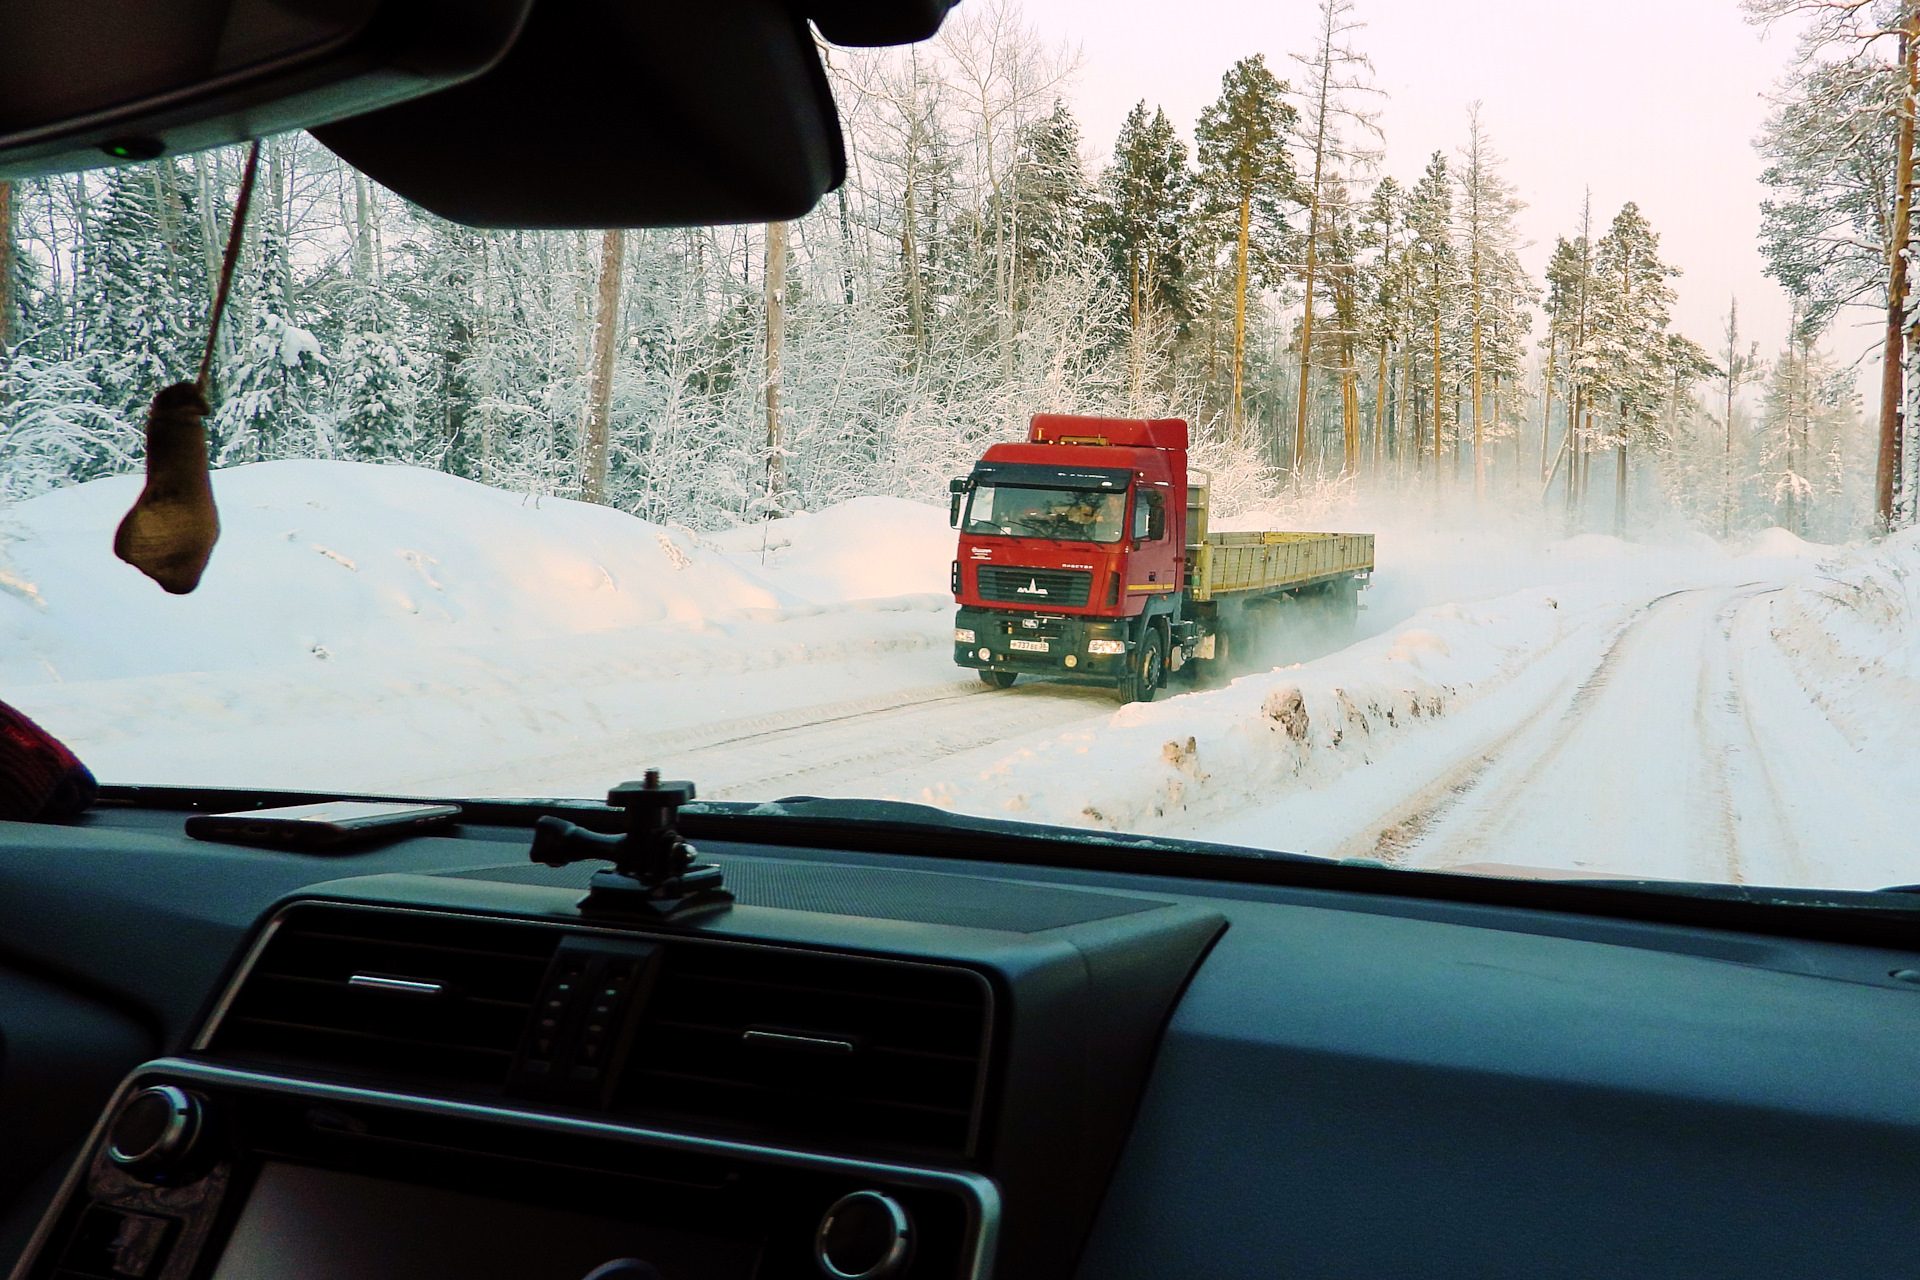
{"x": 272, "y": 1179}
{"x": 464, "y": 1078}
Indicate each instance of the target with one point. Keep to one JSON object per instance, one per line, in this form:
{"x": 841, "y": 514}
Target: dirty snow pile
{"x": 387, "y": 627}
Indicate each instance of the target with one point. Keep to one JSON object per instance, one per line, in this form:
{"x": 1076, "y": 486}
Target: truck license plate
{"x": 1028, "y": 646}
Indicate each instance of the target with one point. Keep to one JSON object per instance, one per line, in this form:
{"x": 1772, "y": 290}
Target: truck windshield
{"x": 1065, "y": 515}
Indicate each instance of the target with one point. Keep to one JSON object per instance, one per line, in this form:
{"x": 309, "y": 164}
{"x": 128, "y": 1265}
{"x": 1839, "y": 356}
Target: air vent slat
{"x": 829, "y": 992}
{"x": 684, "y": 1078}
{"x": 299, "y": 1006}
{"x": 913, "y": 1079}
{"x": 333, "y": 984}
{"x": 283, "y": 1025}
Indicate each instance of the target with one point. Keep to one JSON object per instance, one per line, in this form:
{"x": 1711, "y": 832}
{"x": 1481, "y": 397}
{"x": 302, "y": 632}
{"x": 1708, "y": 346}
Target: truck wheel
{"x": 1148, "y": 669}
{"x": 998, "y": 679}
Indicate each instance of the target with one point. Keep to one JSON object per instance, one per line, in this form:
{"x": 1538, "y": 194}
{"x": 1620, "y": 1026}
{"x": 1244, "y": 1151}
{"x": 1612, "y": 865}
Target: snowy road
{"x": 827, "y": 748}
{"x": 1653, "y": 757}
{"x": 1673, "y": 742}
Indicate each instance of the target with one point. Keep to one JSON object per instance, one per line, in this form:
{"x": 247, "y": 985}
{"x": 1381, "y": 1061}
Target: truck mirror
{"x": 1156, "y": 520}
{"x": 953, "y": 514}
{"x": 960, "y": 484}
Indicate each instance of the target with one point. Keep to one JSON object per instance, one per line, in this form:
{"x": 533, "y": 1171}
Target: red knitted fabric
{"x": 40, "y": 780}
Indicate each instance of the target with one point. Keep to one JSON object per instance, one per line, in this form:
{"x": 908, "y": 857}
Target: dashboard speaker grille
{"x": 405, "y": 996}
{"x": 820, "y": 1049}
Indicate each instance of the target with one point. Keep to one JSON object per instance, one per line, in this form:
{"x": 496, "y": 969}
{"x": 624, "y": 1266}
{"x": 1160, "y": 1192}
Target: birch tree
{"x": 1333, "y": 87}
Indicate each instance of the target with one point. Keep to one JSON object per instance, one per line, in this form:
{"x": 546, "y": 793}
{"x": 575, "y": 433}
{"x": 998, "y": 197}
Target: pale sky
{"x": 1655, "y": 101}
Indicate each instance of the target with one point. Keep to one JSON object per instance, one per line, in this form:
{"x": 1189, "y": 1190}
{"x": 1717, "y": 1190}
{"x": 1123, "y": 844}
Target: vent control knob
{"x": 864, "y": 1236}
{"x": 155, "y": 1131}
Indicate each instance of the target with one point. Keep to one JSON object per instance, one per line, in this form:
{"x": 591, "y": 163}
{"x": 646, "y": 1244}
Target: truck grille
{"x": 1049, "y": 588}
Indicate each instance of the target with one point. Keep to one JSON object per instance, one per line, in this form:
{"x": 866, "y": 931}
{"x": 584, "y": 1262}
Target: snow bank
{"x": 1850, "y": 632}
{"x": 392, "y": 628}
{"x": 1782, "y": 543}
{"x": 1214, "y": 753}
{"x": 1304, "y": 757}
{"x": 857, "y": 550}
{"x": 319, "y": 559}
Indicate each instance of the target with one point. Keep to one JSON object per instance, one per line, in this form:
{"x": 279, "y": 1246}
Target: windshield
{"x": 1548, "y": 495}
{"x": 1067, "y": 515}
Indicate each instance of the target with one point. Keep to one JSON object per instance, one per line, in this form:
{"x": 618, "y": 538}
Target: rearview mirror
{"x": 958, "y": 488}
{"x": 85, "y": 83}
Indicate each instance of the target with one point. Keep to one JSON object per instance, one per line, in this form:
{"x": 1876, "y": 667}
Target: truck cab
{"x": 1072, "y": 554}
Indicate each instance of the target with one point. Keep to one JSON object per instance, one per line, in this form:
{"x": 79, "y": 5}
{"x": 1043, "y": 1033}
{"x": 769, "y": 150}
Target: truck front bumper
{"x": 1035, "y": 644}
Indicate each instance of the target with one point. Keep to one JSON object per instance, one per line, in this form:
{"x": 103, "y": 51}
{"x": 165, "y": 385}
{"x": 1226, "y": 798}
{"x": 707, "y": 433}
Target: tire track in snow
{"x": 747, "y": 756}
{"x": 847, "y": 757}
{"x": 1777, "y": 848}
{"x": 1393, "y": 838}
{"x": 1665, "y": 770}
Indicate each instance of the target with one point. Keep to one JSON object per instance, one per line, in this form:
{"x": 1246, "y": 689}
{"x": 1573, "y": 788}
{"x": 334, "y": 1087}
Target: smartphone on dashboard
{"x": 318, "y": 828}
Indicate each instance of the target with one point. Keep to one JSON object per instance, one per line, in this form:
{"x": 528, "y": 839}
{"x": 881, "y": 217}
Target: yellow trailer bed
{"x": 1227, "y": 564}
{"x": 1231, "y": 563}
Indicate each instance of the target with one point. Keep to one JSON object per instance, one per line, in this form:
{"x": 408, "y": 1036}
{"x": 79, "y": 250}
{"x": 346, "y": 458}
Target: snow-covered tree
{"x": 1247, "y": 184}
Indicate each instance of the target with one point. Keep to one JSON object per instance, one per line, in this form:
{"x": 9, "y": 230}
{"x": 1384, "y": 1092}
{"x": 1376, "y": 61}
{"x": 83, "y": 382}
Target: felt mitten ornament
{"x": 171, "y": 530}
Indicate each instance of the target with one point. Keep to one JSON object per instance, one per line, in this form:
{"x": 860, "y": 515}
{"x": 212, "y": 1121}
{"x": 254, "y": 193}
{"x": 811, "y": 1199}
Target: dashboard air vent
{"x": 403, "y": 995}
{"x": 822, "y": 1049}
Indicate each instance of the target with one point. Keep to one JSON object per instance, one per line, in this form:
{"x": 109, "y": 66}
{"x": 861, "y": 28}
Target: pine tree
{"x": 143, "y": 308}
{"x": 1496, "y": 287}
{"x": 1050, "y": 199}
{"x": 1436, "y": 269}
{"x": 1842, "y": 142}
{"x": 1246, "y": 183}
{"x": 1628, "y": 343}
{"x": 1810, "y": 432}
{"x": 1737, "y": 369}
{"x": 1142, "y": 223}
{"x": 1382, "y": 284}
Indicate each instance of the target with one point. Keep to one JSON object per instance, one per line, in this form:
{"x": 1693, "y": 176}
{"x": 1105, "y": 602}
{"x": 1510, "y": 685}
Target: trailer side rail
{"x": 1231, "y": 563}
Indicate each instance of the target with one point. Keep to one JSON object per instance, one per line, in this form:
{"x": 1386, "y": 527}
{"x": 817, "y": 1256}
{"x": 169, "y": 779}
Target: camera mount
{"x": 654, "y": 874}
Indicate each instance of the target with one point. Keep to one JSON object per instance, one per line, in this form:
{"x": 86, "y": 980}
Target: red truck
{"x": 1085, "y": 551}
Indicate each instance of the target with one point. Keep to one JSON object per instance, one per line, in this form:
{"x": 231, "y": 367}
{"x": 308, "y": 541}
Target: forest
{"x": 1332, "y": 318}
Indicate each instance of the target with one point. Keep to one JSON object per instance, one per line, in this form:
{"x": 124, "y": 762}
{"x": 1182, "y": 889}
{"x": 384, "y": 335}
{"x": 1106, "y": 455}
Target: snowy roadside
{"x": 1851, "y": 635}
{"x": 389, "y": 628}
{"x": 1318, "y": 757}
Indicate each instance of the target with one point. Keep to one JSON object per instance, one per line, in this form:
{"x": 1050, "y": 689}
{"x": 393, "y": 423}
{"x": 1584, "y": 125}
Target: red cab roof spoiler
{"x": 1148, "y": 433}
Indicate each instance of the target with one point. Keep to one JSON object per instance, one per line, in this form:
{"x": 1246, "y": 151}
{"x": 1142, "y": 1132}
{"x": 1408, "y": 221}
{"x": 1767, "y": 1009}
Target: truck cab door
{"x": 1155, "y": 559}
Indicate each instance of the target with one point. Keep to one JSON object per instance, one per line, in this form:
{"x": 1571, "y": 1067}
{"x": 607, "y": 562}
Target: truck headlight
{"x": 963, "y": 635}
{"x": 1106, "y": 646}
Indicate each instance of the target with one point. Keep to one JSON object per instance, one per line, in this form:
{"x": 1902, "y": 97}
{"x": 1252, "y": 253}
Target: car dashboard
{"x": 959, "y": 1058}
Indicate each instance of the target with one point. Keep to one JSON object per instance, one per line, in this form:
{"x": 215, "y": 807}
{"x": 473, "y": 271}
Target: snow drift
{"x": 391, "y": 628}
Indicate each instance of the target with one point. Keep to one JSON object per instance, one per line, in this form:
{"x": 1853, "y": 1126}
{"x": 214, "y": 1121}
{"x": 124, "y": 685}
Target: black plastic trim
{"x": 869, "y": 826}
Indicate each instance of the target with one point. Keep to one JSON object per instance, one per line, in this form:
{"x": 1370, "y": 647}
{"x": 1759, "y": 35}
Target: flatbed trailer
{"x": 1265, "y": 561}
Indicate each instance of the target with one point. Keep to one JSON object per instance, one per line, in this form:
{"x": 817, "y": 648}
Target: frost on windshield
{"x": 525, "y": 512}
